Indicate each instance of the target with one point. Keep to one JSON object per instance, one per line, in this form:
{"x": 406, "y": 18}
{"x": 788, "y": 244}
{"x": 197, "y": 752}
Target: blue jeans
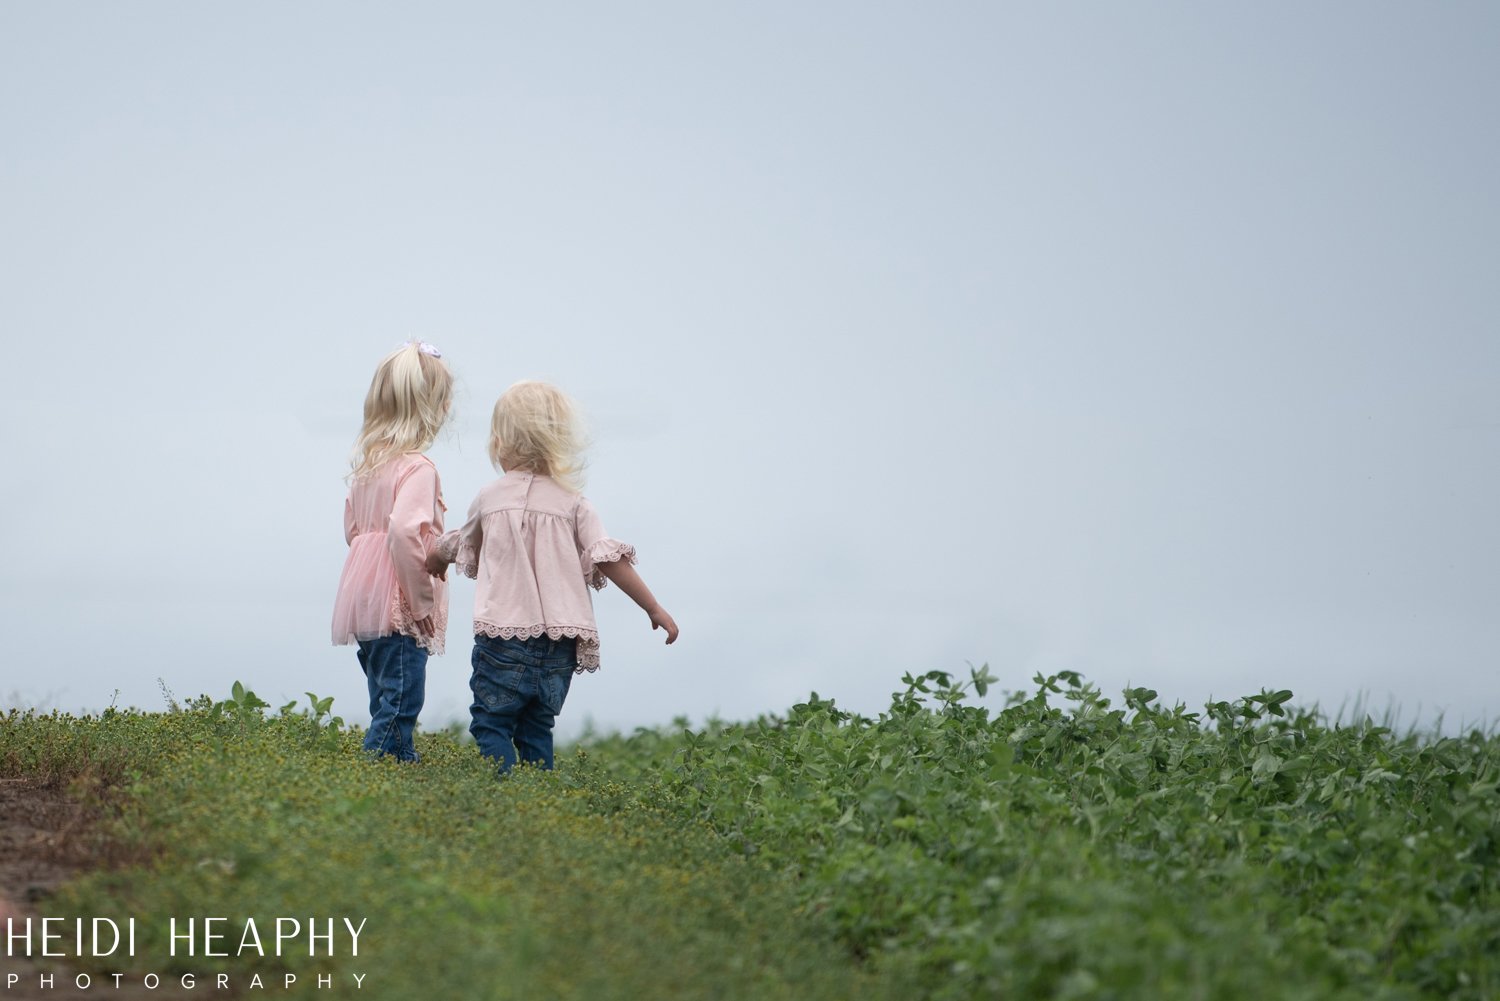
{"x": 519, "y": 687}
{"x": 396, "y": 670}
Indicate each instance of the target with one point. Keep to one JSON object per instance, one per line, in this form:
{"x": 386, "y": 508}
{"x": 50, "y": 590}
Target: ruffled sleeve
{"x": 596, "y": 547}
{"x": 463, "y": 545}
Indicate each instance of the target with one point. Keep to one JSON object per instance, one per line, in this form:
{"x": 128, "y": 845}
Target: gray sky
{"x": 1158, "y": 342}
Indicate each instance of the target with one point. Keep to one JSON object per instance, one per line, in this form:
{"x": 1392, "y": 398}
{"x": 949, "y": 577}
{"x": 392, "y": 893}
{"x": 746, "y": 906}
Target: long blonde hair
{"x": 407, "y": 404}
{"x": 537, "y": 427}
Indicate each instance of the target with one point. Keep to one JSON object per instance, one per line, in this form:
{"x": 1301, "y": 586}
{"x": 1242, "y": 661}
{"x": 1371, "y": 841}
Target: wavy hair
{"x": 537, "y": 427}
{"x": 407, "y": 405}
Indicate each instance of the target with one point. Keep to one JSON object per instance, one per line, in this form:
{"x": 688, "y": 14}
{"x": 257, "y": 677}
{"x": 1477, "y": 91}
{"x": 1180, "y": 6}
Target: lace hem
{"x": 605, "y": 551}
{"x": 588, "y": 639}
{"x": 403, "y": 622}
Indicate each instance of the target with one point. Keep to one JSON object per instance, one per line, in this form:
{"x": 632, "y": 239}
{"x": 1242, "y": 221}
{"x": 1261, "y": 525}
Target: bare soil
{"x": 47, "y": 837}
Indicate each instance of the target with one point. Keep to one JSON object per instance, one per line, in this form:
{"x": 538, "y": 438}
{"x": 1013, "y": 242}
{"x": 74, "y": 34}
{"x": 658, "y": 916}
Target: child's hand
{"x": 661, "y": 620}
{"x": 437, "y": 564}
{"x": 425, "y": 627}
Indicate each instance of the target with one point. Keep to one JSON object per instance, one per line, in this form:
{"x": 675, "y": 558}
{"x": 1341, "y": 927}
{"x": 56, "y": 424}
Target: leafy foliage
{"x": 1061, "y": 847}
{"x": 1253, "y": 851}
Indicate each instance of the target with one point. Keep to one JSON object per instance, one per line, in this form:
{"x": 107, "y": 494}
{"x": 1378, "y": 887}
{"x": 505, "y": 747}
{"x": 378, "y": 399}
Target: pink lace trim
{"x": 467, "y": 561}
{"x": 607, "y": 551}
{"x": 403, "y": 622}
{"x": 588, "y": 639}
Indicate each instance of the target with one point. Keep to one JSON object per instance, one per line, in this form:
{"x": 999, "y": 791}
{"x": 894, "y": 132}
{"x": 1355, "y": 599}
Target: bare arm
{"x": 628, "y": 580}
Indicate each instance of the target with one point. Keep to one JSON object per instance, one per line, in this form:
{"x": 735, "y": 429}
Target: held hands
{"x": 443, "y": 552}
{"x": 661, "y": 620}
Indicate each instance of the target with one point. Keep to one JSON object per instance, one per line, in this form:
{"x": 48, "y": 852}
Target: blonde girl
{"x": 535, "y": 545}
{"x": 387, "y": 603}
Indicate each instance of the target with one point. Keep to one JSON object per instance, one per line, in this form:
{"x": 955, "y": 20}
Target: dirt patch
{"x": 37, "y": 828}
{"x": 47, "y": 837}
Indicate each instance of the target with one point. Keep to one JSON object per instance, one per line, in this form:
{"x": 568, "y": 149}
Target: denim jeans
{"x": 396, "y": 670}
{"x": 519, "y": 686}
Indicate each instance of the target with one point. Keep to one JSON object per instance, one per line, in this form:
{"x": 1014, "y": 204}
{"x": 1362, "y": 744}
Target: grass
{"x": 1063, "y": 847}
{"x": 544, "y": 884}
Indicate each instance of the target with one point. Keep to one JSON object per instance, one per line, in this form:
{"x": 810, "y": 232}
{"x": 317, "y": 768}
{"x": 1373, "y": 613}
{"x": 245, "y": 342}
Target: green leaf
{"x": 1267, "y": 764}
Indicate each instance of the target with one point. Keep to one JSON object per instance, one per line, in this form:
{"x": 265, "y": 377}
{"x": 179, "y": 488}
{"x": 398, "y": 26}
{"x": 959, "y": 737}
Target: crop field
{"x": 1063, "y": 846}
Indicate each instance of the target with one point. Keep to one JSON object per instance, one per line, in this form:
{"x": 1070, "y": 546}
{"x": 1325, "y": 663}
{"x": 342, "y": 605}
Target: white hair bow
{"x": 422, "y": 346}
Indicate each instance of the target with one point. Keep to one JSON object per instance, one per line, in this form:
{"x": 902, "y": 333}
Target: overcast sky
{"x": 1158, "y": 342}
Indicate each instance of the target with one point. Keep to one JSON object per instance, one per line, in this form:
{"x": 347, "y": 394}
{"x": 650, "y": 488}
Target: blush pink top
{"x": 391, "y": 519}
{"x": 535, "y": 548}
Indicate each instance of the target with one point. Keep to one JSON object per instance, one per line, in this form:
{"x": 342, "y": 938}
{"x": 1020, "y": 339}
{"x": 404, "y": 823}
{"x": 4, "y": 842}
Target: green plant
{"x": 1091, "y": 850}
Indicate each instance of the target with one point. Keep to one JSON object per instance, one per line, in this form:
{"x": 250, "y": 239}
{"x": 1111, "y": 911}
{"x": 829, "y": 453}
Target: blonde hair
{"x": 406, "y": 407}
{"x": 536, "y": 427}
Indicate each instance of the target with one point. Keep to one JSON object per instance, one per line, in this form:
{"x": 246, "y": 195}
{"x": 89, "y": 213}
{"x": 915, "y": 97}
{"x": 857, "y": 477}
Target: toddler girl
{"x": 387, "y": 602}
{"x": 536, "y": 547}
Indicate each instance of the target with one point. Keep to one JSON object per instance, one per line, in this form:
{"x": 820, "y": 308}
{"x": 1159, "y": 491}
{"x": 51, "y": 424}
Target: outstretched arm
{"x": 628, "y": 580}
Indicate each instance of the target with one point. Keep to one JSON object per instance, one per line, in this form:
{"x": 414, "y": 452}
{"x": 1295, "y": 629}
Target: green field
{"x": 1060, "y": 847}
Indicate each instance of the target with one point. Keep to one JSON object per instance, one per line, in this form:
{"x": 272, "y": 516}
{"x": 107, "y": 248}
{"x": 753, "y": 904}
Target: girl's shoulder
{"x": 557, "y": 497}
{"x": 399, "y": 464}
{"x": 528, "y": 491}
{"x": 409, "y": 462}
{"x": 397, "y": 470}
{"x": 492, "y": 492}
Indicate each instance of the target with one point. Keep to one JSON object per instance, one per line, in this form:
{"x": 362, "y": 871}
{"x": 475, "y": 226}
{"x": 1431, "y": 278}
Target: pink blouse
{"x": 391, "y": 519}
{"x": 534, "y": 548}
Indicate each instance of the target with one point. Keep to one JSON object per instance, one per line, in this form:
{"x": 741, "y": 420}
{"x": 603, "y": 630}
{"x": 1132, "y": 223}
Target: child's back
{"x": 535, "y": 545}
{"x": 385, "y": 587}
{"x": 386, "y": 602}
